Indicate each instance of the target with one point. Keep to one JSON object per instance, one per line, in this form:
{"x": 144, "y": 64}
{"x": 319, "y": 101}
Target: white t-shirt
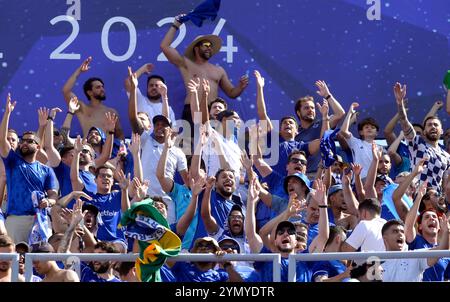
{"x": 367, "y": 235}
{"x": 152, "y": 109}
{"x": 404, "y": 270}
{"x": 176, "y": 161}
{"x": 362, "y": 153}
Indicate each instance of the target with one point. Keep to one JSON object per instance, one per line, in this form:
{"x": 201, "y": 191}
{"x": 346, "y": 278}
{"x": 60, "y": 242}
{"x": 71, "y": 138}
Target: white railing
{"x": 293, "y": 258}
{"x": 14, "y": 258}
{"x": 30, "y": 257}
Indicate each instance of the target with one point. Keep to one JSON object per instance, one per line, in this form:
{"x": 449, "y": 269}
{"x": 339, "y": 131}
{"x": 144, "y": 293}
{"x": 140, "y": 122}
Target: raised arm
{"x": 171, "y": 53}
{"x": 136, "y": 124}
{"x": 230, "y": 90}
{"x": 360, "y": 192}
{"x": 135, "y": 149}
{"x": 350, "y": 199}
{"x": 146, "y": 68}
{"x": 64, "y": 200}
{"x": 323, "y": 109}
{"x": 392, "y": 150}
{"x": 110, "y": 125}
{"x": 210, "y": 222}
{"x": 254, "y": 240}
{"x": 411, "y": 217}
{"x": 68, "y": 86}
{"x": 5, "y": 147}
{"x": 74, "y": 106}
{"x": 193, "y": 88}
{"x": 260, "y": 102}
{"x": 338, "y": 111}
{"x": 369, "y": 185}
{"x": 434, "y": 109}
{"x": 124, "y": 183}
{"x": 54, "y": 159}
{"x": 389, "y": 129}
{"x": 400, "y": 94}
{"x": 77, "y": 183}
{"x": 400, "y": 206}
{"x": 320, "y": 195}
{"x": 345, "y": 125}
{"x": 162, "y": 89}
{"x": 165, "y": 181}
{"x": 77, "y": 216}
{"x": 197, "y": 185}
{"x": 196, "y": 157}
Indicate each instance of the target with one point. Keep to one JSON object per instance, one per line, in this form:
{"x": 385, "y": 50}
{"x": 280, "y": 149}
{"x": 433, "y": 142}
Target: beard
{"x": 308, "y": 118}
{"x": 27, "y": 152}
{"x": 432, "y": 137}
{"x": 83, "y": 161}
{"x": 100, "y": 97}
{"x": 154, "y": 98}
{"x": 103, "y": 268}
{"x": 223, "y": 192}
{"x": 285, "y": 250}
{"x": 205, "y": 56}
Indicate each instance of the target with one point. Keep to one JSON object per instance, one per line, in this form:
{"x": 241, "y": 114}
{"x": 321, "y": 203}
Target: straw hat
{"x": 216, "y": 45}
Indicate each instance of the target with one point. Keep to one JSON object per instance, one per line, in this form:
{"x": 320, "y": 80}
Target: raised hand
{"x": 79, "y": 194}
{"x": 74, "y": 105}
{"x": 439, "y": 104}
{"x": 197, "y": 185}
{"x": 124, "y": 182}
{"x": 9, "y": 104}
{"x": 357, "y": 168}
{"x": 162, "y": 90}
{"x": 352, "y": 108}
{"x": 377, "y": 152}
{"x": 140, "y": 188}
{"x": 399, "y": 92}
{"x": 259, "y": 79}
{"x": 132, "y": 77}
{"x": 110, "y": 121}
{"x": 53, "y": 112}
{"x": 323, "y": 89}
{"x": 147, "y": 68}
{"x": 423, "y": 188}
{"x": 42, "y": 116}
{"x": 210, "y": 182}
{"x": 178, "y": 21}
{"x": 135, "y": 146}
{"x": 194, "y": 85}
{"x": 323, "y": 108}
{"x": 418, "y": 169}
{"x": 203, "y": 135}
{"x": 205, "y": 86}
{"x": 347, "y": 178}
{"x": 78, "y": 145}
{"x": 169, "y": 138}
{"x": 319, "y": 192}
{"x": 85, "y": 65}
{"x": 253, "y": 190}
{"x": 77, "y": 214}
{"x": 246, "y": 161}
{"x": 243, "y": 82}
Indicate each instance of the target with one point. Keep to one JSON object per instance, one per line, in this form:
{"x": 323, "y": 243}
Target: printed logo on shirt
{"x": 108, "y": 213}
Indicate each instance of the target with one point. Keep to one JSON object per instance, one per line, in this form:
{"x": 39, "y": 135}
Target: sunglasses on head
{"x": 298, "y": 160}
{"x": 283, "y": 230}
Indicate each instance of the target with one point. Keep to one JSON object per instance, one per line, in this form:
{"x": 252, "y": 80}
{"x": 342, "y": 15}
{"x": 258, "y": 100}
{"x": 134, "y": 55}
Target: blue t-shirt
{"x": 22, "y": 179}
{"x": 275, "y": 181}
{"x": 109, "y": 207}
{"x": 166, "y": 274}
{"x": 181, "y": 196}
{"x": 266, "y": 269}
{"x": 285, "y": 148}
{"x": 328, "y": 268}
{"x": 437, "y": 271}
{"x": 188, "y": 272}
{"x": 62, "y": 172}
{"x": 220, "y": 209}
{"x": 247, "y": 273}
{"x": 88, "y": 275}
{"x": 308, "y": 135}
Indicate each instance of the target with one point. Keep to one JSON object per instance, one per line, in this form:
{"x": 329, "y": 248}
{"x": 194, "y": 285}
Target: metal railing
{"x": 14, "y": 258}
{"x": 30, "y": 257}
{"x": 293, "y": 258}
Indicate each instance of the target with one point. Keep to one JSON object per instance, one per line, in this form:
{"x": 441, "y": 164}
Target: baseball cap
{"x": 334, "y": 189}
{"x": 23, "y": 245}
{"x": 160, "y": 117}
{"x": 284, "y": 224}
{"x": 91, "y": 208}
{"x": 233, "y": 244}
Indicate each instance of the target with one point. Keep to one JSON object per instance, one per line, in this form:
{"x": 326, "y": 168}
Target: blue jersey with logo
{"x": 109, "y": 206}
{"x": 22, "y": 179}
{"x": 328, "y": 268}
{"x": 88, "y": 275}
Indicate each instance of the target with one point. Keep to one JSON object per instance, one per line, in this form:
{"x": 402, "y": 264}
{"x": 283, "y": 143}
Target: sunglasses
{"x": 205, "y": 245}
{"x": 229, "y": 246}
{"x": 206, "y": 44}
{"x": 28, "y": 141}
{"x": 288, "y": 230}
{"x": 298, "y": 160}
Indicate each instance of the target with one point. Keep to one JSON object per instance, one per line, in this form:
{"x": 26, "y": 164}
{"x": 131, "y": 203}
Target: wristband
{"x": 111, "y": 132}
{"x": 176, "y": 27}
{"x": 322, "y": 206}
{"x": 71, "y": 113}
{"x": 328, "y": 97}
{"x": 50, "y": 118}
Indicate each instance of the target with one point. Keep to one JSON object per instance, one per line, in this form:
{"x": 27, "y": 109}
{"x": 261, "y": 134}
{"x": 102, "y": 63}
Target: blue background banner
{"x": 292, "y": 43}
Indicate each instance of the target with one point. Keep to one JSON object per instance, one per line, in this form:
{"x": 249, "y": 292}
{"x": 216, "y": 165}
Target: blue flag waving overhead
{"x": 206, "y": 10}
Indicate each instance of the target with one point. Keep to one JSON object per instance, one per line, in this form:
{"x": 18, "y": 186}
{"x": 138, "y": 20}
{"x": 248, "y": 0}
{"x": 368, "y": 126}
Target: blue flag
{"x": 206, "y": 10}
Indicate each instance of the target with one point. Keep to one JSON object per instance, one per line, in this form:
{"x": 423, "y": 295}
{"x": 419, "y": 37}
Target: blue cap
{"x": 334, "y": 189}
{"x": 299, "y": 176}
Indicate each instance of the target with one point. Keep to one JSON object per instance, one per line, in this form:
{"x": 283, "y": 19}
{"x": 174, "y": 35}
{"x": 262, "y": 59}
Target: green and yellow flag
{"x": 156, "y": 241}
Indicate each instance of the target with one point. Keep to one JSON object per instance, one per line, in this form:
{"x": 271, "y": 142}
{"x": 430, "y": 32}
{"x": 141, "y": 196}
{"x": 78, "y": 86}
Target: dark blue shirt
{"x": 88, "y": 275}
{"x": 308, "y": 135}
{"x": 437, "y": 271}
{"x": 284, "y": 149}
{"x": 22, "y": 179}
{"x": 328, "y": 268}
{"x": 188, "y": 272}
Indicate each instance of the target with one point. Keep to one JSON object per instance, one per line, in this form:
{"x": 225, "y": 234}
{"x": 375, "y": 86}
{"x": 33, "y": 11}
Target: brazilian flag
{"x": 447, "y": 80}
{"x": 156, "y": 241}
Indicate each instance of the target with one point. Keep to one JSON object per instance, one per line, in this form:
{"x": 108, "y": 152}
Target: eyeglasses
{"x": 236, "y": 217}
{"x": 229, "y": 246}
{"x": 28, "y": 141}
{"x": 298, "y": 160}
{"x": 86, "y": 151}
{"x": 104, "y": 175}
{"x": 283, "y": 230}
{"x": 207, "y": 44}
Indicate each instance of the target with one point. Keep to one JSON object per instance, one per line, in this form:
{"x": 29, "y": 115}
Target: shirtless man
{"x": 195, "y": 64}
{"x": 6, "y": 246}
{"x": 92, "y": 114}
{"x": 50, "y": 269}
